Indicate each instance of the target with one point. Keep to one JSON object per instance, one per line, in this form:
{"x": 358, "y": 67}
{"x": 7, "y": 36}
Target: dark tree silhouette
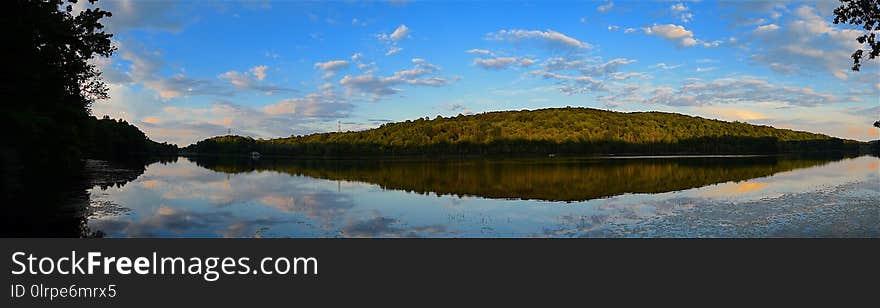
{"x": 50, "y": 83}
{"x": 864, "y": 13}
{"x": 877, "y": 124}
{"x": 48, "y": 86}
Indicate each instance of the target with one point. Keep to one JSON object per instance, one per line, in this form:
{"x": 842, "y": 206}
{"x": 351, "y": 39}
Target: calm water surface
{"x": 623, "y": 197}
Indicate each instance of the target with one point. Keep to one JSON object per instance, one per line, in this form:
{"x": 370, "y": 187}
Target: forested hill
{"x": 572, "y": 131}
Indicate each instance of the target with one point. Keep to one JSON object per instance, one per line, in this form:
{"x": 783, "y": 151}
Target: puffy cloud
{"x": 680, "y": 11}
{"x": 526, "y": 62}
{"x": 401, "y": 32}
{"x": 315, "y": 105}
{"x": 580, "y": 76}
{"x": 259, "y": 72}
{"x": 681, "y": 36}
{"x": 605, "y": 7}
{"x": 805, "y": 42}
{"x": 331, "y": 67}
{"x": 145, "y": 66}
{"x": 678, "y": 34}
{"x": 251, "y": 80}
{"x": 325, "y": 86}
{"x": 392, "y": 39}
{"x": 378, "y": 87}
{"x": 550, "y": 38}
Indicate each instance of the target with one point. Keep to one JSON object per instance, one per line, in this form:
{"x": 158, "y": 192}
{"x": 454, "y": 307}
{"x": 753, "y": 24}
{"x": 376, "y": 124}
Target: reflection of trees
{"x": 59, "y": 208}
{"x": 549, "y": 179}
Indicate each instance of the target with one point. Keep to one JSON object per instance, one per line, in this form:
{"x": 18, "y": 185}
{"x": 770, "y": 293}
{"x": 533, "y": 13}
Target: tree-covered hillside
{"x": 117, "y": 139}
{"x": 573, "y": 131}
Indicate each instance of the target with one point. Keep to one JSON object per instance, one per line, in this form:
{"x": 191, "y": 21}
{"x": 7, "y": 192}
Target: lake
{"x": 735, "y": 196}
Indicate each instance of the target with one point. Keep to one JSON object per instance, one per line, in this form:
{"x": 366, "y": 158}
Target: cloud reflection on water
{"x": 184, "y": 200}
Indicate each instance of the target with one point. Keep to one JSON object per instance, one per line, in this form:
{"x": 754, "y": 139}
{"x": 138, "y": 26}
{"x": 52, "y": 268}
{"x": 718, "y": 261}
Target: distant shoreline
{"x": 516, "y": 156}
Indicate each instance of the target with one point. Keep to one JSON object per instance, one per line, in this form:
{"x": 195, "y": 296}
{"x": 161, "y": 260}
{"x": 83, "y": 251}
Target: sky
{"x": 189, "y": 70}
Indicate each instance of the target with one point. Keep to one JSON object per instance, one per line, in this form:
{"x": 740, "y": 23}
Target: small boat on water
{"x": 255, "y": 155}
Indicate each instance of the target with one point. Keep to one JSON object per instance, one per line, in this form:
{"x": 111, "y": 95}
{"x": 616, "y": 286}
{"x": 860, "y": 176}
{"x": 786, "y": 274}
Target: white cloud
{"x": 331, "y": 67}
{"x": 259, "y": 72}
{"x": 377, "y": 87}
{"x": 731, "y": 90}
{"x": 400, "y": 33}
{"x": 501, "y": 63}
{"x": 315, "y": 105}
{"x": 479, "y": 51}
{"x": 526, "y": 62}
{"x": 245, "y": 81}
{"x": 680, "y": 11}
{"x": 605, "y": 7}
{"x": 806, "y": 42}
{"x": 144, "y": 68}
{"x": 391, "y": 40}
{"x": 665, "y": 66}
{"x": 393, "y": 50}
{"x": 706, "y": 69}
{"x": 576, "y": 75}
{"x": 678, "y": 34}
{"x": 613, "y": 28}
{"x": 574, "y": 84}
{"x": 681, "y": 36}
{"x": 767, "y": 28}
{"x": 550, "y": 38}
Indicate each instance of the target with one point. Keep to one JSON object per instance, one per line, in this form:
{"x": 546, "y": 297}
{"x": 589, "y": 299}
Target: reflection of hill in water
{"x": 542, "y": 179}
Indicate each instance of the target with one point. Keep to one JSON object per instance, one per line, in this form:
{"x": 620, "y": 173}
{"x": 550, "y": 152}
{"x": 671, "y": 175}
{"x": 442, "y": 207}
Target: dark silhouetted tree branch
{"x": 866, "y": 14}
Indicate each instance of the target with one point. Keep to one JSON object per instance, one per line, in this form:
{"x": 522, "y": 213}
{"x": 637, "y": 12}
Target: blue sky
{"x": 187, "y": 70}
